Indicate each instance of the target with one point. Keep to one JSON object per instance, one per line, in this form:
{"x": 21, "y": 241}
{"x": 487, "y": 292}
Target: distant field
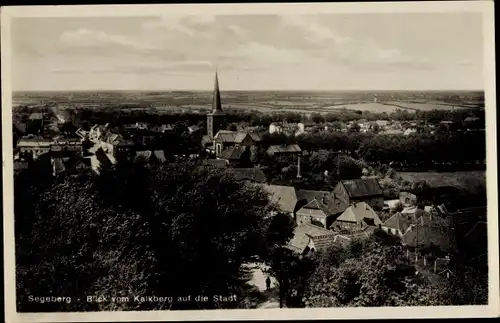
{"x": 369, "y": 106}
{"x": 425, "y": 106}
{"x": 463, "y": 179}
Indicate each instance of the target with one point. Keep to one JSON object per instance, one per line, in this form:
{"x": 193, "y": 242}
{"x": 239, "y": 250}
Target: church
{"x": 235, "y": 147}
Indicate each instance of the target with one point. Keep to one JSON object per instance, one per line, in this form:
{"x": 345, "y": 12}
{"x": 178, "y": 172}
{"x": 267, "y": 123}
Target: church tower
{"x": 216, "y": 120}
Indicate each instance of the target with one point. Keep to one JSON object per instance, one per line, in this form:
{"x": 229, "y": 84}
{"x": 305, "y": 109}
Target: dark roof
{"x": 254, "y": 174}
{"x": 283, "y": 149}
{"x": 284, "y": 196}
{"x": 329, "y": 203}
{"x": 310, "y": 195}
{"x": 428, "y": 235}
{"x": 233, "y": 153}
{"x": 362, "y": 187}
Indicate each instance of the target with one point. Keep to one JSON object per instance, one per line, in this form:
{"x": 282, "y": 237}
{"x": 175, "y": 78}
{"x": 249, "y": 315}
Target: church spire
{"x": 216, "y": 103}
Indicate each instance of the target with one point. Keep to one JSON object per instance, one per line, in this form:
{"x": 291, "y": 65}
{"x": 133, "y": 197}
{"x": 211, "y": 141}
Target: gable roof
{"x": 362, "y": 187}
{"x": 231, "y": 136}
{"x": 399, "y": 222}
{"x": 427, "y": 235}
{"x": 283, "y": 196}
{"x": 303, "y": 233}
{"x": 358, "y": 212}
{"x": 310, "y": 195}
{"x": 283, "y": 149}
{"x": 233, "y": 152}
{"x": 257, "y": 137}
{"x": 254, "y": 174}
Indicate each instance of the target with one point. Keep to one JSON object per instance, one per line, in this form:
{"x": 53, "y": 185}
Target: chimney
{"x": 435, "y": 266}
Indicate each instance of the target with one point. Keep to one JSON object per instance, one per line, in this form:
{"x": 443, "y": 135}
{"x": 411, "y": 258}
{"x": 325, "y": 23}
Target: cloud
{"x": 142, "y": 68}
{"x": 96, "y": 38}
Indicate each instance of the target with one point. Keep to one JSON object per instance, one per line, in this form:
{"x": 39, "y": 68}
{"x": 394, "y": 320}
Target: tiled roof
{"x": 358, "y": 212}
{"x": 257, "y": 137}
{"x": 254, "y": 174}
{"x": 362, "y": 187}
{"x": 303, "y": 233}
{"x": 283, "y": 196}
{"x": 400, "y": 222}
{"x": 283, "y": 149}
{"x": 231, "y": 136}
{"x": 233, "y": 152}
{"x": 310, "y": 195}
{"x": 428, "y": 235}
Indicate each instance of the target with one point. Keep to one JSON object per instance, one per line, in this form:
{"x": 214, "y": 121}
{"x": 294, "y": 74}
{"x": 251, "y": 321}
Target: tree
{"x": 370, "y": 273}
{"x": 170, "y": 229}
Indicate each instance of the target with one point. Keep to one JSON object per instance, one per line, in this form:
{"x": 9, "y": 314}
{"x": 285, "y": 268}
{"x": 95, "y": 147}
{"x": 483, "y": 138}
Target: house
{"x": 356, "y": 217}
{"x": 382, "y": 123}
{"x": 33, "y": 147}
{"x": 361, "y": 190}
{"x": 284, "y": 197}
{"x": 284, "y": 150}
{"x": 398, "y": 224}
{"x": 249, "y": 174}
{"x": 235, "y": 156}
{"x": 318, "y": 207}
{"x": 225, "y": 139}
{"x": 407, "y": 198}
{"x": 393, "y": 132}
{"x": 429, "y": 239}
{"x": 310, "y": 238}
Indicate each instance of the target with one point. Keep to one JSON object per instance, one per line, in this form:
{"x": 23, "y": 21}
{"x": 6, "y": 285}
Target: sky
{"x": 381, "y": 51}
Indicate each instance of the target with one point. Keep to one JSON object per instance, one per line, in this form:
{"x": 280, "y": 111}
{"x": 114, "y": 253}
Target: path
{"x": 267, "y": 299}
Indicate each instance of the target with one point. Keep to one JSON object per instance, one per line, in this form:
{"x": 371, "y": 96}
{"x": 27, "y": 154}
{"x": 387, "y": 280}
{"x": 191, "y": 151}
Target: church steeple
{"x": 216, "y": 119}
{"x": 216, "y": 103}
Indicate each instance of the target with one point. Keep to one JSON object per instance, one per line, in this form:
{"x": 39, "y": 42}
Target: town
{"x": 339, "y": 178}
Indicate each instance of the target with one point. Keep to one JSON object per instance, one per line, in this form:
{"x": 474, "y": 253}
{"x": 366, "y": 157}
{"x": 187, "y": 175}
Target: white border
{"x": 484, "y": 7}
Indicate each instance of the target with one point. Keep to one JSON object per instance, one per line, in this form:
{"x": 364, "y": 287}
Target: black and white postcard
{"x": 250, "y": 161}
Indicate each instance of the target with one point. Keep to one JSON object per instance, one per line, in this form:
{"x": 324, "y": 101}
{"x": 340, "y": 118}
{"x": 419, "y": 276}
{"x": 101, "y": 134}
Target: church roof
{"x": 216, "y": 102}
